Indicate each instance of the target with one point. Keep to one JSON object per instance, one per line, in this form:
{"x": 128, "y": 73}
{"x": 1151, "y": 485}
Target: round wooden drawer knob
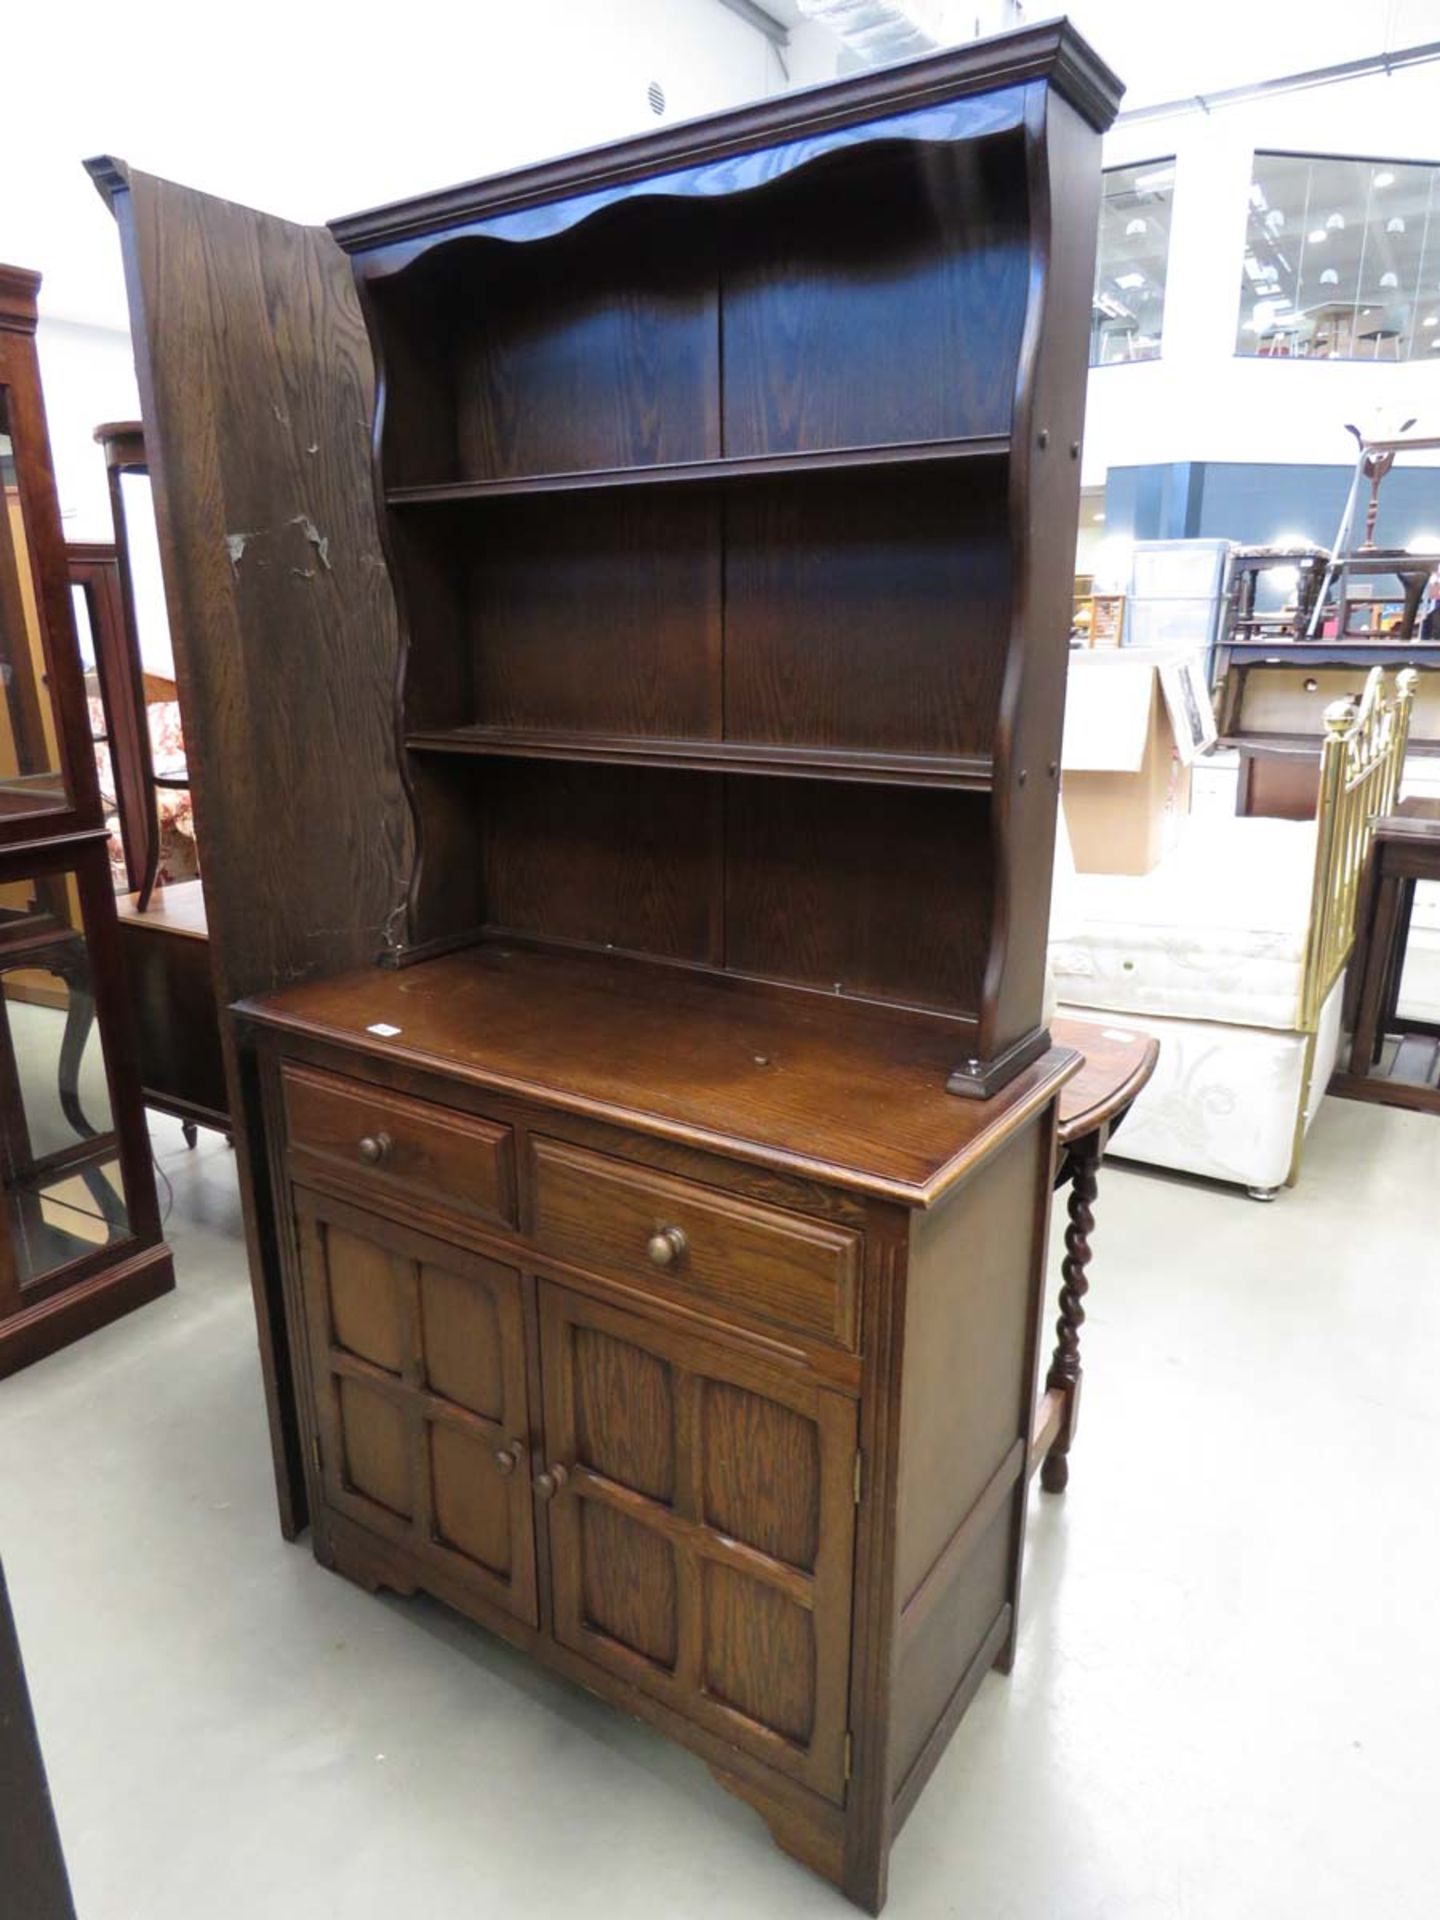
{"x": 549, "y": 1483}
{"x": 666, "y": 1247}
{"x": 508, "y": 1457}
{"x": 374, "y": 1148}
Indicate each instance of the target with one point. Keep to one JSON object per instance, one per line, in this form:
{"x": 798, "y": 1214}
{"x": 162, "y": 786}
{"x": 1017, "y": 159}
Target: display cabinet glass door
{"x": 64, "y": 1187}
{"x": 31, "y": 780}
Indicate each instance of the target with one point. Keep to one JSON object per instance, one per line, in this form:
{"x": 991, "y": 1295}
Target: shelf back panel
{"x": 868, "y": 609}
{"x": 598, "y": 613}
{"x": 607, "y": 856}
{"x": 878, "y": 894}
{"x": 598, "y": 349}
{"x": 877, "y": 298}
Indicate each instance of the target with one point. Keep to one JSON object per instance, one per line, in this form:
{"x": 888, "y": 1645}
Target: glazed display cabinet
{"x": 80, "y": 1233}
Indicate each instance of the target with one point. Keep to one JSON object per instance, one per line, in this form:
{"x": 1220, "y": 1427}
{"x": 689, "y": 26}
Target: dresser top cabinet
{"x": 729, "y": 479}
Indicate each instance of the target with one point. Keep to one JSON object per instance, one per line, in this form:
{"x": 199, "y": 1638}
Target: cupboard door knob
{"x": 374, "y": 1148}
{"x": 549, "y": 1483}
{"x": 666, "y": 1247}
{"x": 508, "y": 1457}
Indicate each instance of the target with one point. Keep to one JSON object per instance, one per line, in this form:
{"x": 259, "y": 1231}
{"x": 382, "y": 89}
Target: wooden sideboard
{"x": 650, "y": 1249}
{"x": 683, "y": 1338}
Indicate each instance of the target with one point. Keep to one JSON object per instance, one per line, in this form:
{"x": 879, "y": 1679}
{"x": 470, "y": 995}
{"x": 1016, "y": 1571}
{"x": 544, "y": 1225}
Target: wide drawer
{"x": 391, "y": 1143}
{"x": 679, "y": 1240}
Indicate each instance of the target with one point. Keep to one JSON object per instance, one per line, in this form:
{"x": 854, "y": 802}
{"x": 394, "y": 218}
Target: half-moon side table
{"x": 1118, "y": 1063}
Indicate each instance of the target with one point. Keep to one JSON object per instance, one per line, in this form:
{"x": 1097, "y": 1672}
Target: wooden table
{"x": 1118, "y": 1063}
{"x": 1404, "y": 848}
{"x": 166, "y": 948}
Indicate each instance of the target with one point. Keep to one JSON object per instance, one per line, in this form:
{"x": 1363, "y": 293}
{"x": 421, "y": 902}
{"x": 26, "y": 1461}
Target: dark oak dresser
{"x": 650, "y": 1243}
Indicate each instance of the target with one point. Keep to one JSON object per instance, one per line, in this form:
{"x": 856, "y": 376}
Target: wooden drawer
{"x": 391, "y": 1143}
{"x": 752, "y": 1262}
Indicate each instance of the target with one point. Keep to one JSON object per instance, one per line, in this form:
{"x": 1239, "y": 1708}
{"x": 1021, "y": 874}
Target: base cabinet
{"x": 739, "y": 1452}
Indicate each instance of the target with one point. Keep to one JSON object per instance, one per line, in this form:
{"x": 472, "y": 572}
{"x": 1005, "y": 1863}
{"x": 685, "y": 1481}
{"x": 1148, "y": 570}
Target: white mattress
{"x": 1216, "y": 932}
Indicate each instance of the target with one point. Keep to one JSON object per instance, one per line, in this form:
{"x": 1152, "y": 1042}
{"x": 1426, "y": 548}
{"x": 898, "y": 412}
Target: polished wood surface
{"x": 802, "y": 1082}
{"x": 732, "y": 1256}
{"x": 456, "y": 1162}
{"x": 1393, "y": 1061}
{"x": 1115, "y": 1064}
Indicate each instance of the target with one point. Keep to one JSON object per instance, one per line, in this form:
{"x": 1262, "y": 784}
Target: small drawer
{"x": 407, "y": 1147}
{"x": 687, "y": 1242}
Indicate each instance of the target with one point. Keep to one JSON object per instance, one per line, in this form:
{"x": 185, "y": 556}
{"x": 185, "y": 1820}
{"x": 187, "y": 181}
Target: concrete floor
{"x": 1224, "y": 1704}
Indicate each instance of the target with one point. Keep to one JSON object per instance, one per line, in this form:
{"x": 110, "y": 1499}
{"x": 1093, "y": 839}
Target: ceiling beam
{"x": 775, "y": 31}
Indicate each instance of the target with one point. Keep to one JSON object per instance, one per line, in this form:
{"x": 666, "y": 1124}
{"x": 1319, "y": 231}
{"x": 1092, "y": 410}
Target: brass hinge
{"x": 858, "y": 1458}
{"x": 849, "y": 1754}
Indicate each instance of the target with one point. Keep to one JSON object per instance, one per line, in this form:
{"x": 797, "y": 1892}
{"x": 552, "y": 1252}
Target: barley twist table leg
{"x": 1065, "y": 1370}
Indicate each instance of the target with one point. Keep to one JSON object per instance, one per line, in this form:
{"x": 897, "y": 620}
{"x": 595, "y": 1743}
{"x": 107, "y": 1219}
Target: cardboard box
{"x": 1135, "y": 720}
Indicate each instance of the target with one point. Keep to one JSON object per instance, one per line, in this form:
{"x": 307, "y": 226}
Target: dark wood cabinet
{"x": 649, "y": 1250}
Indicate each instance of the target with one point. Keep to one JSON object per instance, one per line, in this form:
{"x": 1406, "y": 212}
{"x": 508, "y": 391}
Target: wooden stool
{"x": 1405, "y": 847}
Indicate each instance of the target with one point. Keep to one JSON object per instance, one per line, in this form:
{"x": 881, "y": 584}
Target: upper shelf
{"x": 697, "y": 472}
{"x": 972, "y": 772}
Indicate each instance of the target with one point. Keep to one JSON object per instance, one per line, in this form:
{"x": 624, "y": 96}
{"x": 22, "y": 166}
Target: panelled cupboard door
{"x": 417, "y": 1352}
{"x": 701, "y": 1529}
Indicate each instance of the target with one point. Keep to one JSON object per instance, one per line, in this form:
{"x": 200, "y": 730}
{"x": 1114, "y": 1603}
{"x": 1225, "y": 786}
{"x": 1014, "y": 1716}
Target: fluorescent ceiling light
{"x": 1317, "y": 237}
{"x": 1129, "y": 280}
{"x": 1431, "y": 319}
{"x": 1336, "y": 223}
{"x": 1423, "y": 543}
{"x": 1329, "y": 278}
{"x": 1385, "y": 179}
{"x": 1133, "y": 227}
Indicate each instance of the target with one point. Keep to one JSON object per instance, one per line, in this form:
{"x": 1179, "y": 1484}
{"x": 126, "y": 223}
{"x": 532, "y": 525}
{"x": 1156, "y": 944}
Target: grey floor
{"x": 1224, "y": 1706}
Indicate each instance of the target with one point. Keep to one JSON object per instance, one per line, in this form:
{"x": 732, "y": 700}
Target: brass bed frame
{"x": 1362, "y": 759}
